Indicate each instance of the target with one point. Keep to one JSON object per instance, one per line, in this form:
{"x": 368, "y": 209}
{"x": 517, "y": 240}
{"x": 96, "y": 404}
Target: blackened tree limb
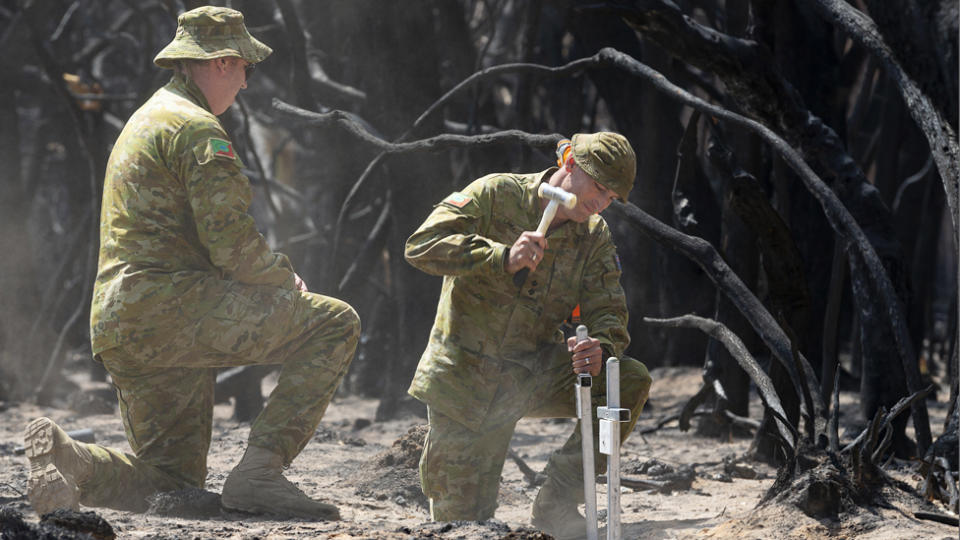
{"x": 940, "y": 136}
{"x": 738, "y": 350}
{"x": 252, "y": 150}
{"x": 357, "y": 128}
{"x": 884, "y": 420}
{"x": 836, "y": 213}
{"x": 753, "y": 83}
{"x": 833, "y": 428}
{"x": 939, "y": 518}
{"x": 298, "y": 54}
{"x": 102, "y": 41}
{"x": 571, "y": 69}
{"x": 751, "y": 79}
{"x": 782, "y": 263}
{"x": 11, "y": 28}
{"x": 705, "y": 255}
{"x": 690, "y": 407}
{"x": 364, "y": 258}
{"x": 352, "y": 126}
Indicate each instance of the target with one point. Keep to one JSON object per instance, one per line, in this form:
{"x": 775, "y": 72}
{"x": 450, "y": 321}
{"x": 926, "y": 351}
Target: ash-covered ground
{"x": 687, "y": 486}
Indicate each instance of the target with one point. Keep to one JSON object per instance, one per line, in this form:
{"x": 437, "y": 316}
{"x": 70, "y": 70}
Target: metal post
{"x": 584, "y": 413}
{"x": 611, "y": 417}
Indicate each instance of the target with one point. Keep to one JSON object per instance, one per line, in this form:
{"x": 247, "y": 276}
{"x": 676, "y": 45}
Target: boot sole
{"x": 47, "y": 488}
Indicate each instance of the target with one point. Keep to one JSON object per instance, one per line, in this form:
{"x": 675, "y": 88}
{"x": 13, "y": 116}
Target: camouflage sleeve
{"x": 603, "y": 304}
{"x": 220, "y": 195}
{"x": 450, "y": 242}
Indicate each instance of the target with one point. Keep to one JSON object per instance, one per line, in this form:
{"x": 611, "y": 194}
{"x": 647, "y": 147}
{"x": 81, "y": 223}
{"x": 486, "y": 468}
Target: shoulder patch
{"x": 214, "y": 148}
{"x": 222, "y": 148}
{"x": 457, "y": 199}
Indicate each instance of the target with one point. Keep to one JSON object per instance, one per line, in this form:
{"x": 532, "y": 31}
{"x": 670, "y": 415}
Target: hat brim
{"x": 184, "y": 47}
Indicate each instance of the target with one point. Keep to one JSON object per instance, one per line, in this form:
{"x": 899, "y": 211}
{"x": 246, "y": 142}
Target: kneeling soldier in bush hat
{"x": 186, "y": 284}
{"x": 496, "y": 354}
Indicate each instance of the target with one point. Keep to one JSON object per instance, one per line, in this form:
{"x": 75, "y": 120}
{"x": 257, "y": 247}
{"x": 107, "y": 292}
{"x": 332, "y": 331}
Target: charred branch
{"x": 837, "y": 215}
{"x": 373, "y": 244}
{"x": 735, "y": 346}
{"x": 353, "y": 126}
{"x": 298, "y": 53}
{"x": 883, "y": 420}
{"x": 940, "y": 136}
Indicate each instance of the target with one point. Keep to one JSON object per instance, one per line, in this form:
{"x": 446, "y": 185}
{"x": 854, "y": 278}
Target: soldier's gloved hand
{"x": 301, "y": 286}
{"x": 586, "y": 356}
{"x": 526, "y": 252}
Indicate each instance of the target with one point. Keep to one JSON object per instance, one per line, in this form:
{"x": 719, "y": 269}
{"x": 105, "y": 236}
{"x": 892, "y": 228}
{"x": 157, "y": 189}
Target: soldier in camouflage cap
{"x": 210, "y": 32}
{"x": 497, "y": 354}
{"x": 185, "y": 285}
{"x": 608, "y": 159}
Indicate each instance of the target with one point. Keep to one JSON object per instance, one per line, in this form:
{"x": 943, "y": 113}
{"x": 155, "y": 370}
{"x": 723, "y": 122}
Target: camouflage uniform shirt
{"x": 174, "y": 227}
{"x": 482, "y": 319}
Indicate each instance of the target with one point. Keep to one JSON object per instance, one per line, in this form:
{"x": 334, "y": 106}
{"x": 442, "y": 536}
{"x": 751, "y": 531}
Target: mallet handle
{"x": 548, "y": 214}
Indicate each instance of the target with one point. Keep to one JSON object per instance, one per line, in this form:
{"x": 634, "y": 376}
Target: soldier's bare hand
{"x": 585, "y": 356}
{"x": 301, "y": 286}
{"x": 526, "y": 252}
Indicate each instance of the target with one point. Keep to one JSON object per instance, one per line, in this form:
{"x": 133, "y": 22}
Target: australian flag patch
{"x": 457, "y": 199}
{"x": 222, "y": 148}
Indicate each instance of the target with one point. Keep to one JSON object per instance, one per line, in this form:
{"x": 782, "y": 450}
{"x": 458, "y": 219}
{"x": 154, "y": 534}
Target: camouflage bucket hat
{"x": 608, "y": 158}
{"x": 210, "y": 32}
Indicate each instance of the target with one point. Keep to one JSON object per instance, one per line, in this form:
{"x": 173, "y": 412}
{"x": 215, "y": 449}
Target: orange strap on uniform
{"x": 564, "y": 147}
{"x": 575, "y": 316}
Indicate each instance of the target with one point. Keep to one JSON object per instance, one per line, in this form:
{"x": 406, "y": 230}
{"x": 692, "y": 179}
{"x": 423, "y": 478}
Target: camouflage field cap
{"x": 608, "y": 158}
{"x": 210, "y": 32}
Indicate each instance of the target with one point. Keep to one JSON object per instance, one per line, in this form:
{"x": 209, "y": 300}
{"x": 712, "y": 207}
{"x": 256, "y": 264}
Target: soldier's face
{"x": 592, "y": 196}
{"x": 227, "y": 77}
{"x": 236, "y": 74}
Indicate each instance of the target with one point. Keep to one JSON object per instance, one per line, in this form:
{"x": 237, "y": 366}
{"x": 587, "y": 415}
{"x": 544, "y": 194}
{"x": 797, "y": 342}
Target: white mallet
{"x": 556, "y": 196}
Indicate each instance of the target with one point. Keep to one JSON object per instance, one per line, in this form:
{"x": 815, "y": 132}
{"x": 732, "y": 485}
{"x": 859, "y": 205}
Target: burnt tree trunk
{"x": 738, "y": 246}
{"x": 763, "y": 93}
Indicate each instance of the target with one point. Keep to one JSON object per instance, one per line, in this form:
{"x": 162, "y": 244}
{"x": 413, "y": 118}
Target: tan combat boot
{"x": 257, "y": 486}
{"x": 555, "y": 513}
{"x": 57, "y": 464}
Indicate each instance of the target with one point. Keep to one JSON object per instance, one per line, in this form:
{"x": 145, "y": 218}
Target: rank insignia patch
{"x": 222, "y": 148}
{"x": 457, "y": 199}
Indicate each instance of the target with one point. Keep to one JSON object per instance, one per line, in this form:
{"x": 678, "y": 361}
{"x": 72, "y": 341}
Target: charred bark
{"x": 787, "y": 294}
{"x": 753, "y": 82}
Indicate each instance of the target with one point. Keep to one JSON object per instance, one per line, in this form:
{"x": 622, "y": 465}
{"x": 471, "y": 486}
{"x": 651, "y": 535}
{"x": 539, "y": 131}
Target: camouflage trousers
{"x": 460, "y": 468}
{"x": 165, "y": 387}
